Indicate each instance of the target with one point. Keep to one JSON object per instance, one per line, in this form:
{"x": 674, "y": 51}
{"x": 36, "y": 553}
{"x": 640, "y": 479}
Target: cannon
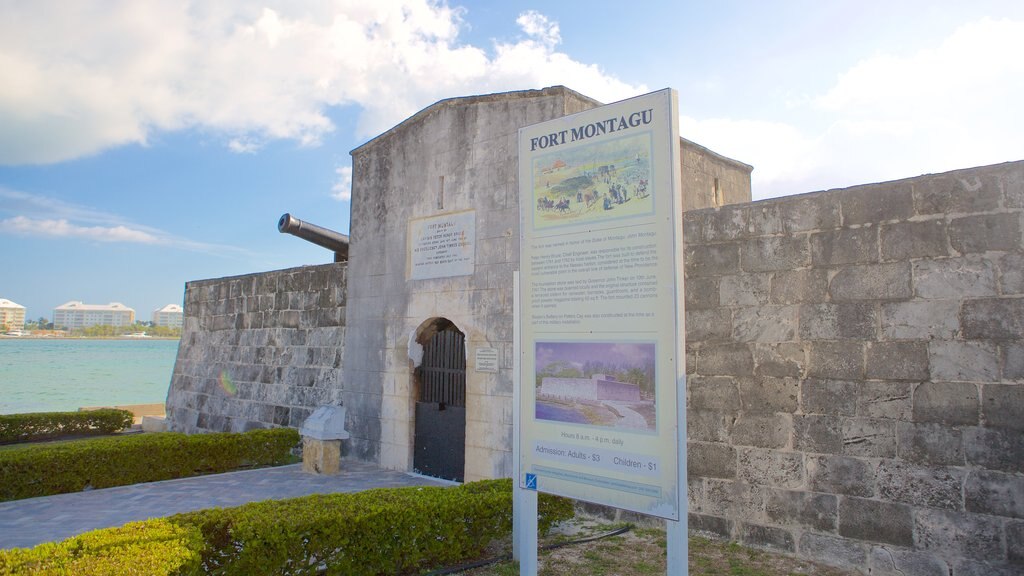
{"x": 318, "y": 235}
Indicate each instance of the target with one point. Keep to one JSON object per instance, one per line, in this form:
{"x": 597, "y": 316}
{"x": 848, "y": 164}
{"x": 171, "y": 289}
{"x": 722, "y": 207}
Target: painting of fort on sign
{"x": 609, "y": 384}
{"x": 594, "y": 182}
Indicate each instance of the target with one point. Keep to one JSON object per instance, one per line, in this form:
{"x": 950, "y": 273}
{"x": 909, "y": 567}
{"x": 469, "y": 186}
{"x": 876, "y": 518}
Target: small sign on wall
{"x": 442, "y": 246}
{"x": 487, "y": 360}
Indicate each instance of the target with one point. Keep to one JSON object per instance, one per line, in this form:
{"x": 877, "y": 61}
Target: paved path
{"x": 28, "y": 522}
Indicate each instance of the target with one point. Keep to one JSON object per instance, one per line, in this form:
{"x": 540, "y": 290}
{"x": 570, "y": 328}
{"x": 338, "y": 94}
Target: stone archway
{"x": 439, "y": 443}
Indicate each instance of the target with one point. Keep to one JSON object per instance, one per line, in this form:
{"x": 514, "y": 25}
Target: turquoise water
{"x": 46, "y": 374}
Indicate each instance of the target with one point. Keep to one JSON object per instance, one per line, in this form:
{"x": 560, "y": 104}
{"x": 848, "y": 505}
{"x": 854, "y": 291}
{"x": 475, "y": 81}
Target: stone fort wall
{"x": 856, "y": 373}
{"x": 260, "y": 350}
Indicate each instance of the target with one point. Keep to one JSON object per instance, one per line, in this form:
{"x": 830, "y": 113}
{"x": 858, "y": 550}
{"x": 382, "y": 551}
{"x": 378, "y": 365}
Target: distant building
{"x": 75, "y": 314}
{"x": 170, "y": 316}
{"x": 12, "y": 316}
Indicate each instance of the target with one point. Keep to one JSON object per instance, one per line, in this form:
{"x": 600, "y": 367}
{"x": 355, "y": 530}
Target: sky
{"x": 147, "y": 143}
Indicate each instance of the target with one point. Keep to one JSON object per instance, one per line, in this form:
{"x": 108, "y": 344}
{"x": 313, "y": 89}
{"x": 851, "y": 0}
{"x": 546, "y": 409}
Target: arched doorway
{"x": 440, "y": 432}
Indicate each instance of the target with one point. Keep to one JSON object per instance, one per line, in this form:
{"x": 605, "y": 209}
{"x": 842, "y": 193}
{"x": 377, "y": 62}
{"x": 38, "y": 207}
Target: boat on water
{"x": 16, "y": 333}
{"x": 137, "y": 335}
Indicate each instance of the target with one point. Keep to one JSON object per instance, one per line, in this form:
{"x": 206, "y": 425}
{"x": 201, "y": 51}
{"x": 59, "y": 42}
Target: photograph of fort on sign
{"x": 595, "y": 182}
{"x": 608, "y": 384}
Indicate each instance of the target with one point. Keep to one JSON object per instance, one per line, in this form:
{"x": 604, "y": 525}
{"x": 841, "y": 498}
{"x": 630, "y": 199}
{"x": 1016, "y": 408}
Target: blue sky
{"x": 144, "y": 144}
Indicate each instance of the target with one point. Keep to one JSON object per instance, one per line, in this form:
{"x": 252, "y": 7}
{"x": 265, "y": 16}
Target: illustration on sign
{"x": 597, "y": 383}
{"x": 594, "y": 182}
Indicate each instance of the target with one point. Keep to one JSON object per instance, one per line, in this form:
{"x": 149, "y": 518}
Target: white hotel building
{"x": 12, "y": 315}
{"x": 74, "y": 314}
{"x": 171, "y": 316}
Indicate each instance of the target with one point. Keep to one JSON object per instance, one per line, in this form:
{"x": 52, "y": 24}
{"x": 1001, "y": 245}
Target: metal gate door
{"x": 440, "y": 444}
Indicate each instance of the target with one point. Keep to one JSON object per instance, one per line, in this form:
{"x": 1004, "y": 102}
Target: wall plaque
{"x": 442, "y": 246}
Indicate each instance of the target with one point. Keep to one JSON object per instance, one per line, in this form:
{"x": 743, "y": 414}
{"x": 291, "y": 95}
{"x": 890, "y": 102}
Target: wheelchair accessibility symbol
{"x": 531, "y": 481}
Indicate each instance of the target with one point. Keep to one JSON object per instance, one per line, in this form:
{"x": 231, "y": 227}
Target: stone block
{"x": 834, "y": 550}
{"x": 930, "y": 486}
{"x": 954, "y": 278}
{"x": 713, "y": 394}
{"x": 1012, "y": 360}
{"x": 714, "y": 324}
{"x": 985, "y": 232}
{"x": 804, "y": 285}
{"x": 779, "y": 360}
{"x": 1002, "y": 405}
{"x": 869, "y": 437}
{"x": 967, "y": 567}
{"x": 959, "y": 361}
{"x": 949, "y": 403}
{"x": 764, "y": 219}
{"x": 802, "y": 509}
{"x": 827, "y": 321}
{"x": 1015, "y": 542}
{"x": 873, "y": 203}
{"x": 818, "y": 434}
{"x": 891, "y": 400}
{"x": 837, "y": 397}
{"x": 702, "y": 426}
{"x": 993, "y": 319}
{"x": 732, "y": 499}
{"x": 725, "y": 360}
{"x": 954, "y": 534}
{"x": 321, "y": 456}
{"x": 952, "y": 194}
{"x": 710, "y": 460}
{"x": 772, "y": 253}
{"x": 714, "y": 526}
{"x": 809, "y": 212}
{"x": 884, "y": 561}
{"x": 1011, "y": 274}
{"x": 711, "y": 259}
{"x": 920, "y": 320}
{"x": 745, "y": 289}
{"x": 762, "y": 430}
{"x": 995, "y": 448}
{"x": 765, "y": 323}
{"x": 845, "y": 246}
{"x": 767, "y": 394}
{"x": 876, "y": 521}
{"x": 933, "y": 444}
{"x": 700, "y": 294}
{"x": 841, "y": 475}
{"x": 770, "y": 467}
{"x": 768, "y": 537}
{"x": 889, "y": 281}
{"x": 840, "y": 360}
{"x": 995, "y": 493}
{"x": 725, "y": 223}
{"x": 908, "y": 240}
{"x": 900, "y": 360}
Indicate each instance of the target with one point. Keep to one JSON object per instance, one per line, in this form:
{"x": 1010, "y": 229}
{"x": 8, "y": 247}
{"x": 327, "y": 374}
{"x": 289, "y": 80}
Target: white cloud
{"x": 42, "y": 216}
{"x": 342, "y": 189}
{"x": 949, "y": 106}
{"x": 251, "y": 73}
{"x": 63, "y": 229}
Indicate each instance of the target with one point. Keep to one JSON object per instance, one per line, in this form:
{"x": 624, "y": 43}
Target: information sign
{"x": 602, "y": 361}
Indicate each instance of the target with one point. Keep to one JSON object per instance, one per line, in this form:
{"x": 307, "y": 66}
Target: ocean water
{"x": 53, "y": 374}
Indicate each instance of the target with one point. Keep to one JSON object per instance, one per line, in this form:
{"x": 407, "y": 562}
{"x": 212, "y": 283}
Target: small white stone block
{"x": 154, "y": 424}
{"x": 325, "y": 423}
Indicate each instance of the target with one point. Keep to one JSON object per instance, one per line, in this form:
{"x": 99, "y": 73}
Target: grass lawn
{"x": 641, "y": 552}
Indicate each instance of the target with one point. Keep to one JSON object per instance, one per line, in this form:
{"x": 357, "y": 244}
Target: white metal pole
{"x": 524, "y": 502}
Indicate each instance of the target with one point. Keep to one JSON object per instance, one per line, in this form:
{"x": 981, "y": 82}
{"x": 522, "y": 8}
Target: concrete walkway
{"x": 25, "y": 523}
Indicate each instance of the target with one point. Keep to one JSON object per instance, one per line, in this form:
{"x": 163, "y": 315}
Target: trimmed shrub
{"x": 36, "y": 426}
{"x": 154, "y": 547}
{"x": 382, "y": 531}
{"x": 45, "y": 469}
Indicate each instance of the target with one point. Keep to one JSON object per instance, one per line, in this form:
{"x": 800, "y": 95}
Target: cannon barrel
{"x": 318, "y": 235}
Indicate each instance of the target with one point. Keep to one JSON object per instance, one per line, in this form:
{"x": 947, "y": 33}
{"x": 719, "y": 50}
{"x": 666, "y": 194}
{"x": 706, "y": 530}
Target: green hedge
{"x": 383, "y": 531}
{"x": 46, "y": 425}
{"x": 154, "y": 548}
{"x": 44, "y": 469}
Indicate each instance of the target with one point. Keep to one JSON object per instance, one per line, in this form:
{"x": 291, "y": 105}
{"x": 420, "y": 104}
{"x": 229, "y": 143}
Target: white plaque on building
{"x": 442, "y": 246}
{"x": 487, "y": 360}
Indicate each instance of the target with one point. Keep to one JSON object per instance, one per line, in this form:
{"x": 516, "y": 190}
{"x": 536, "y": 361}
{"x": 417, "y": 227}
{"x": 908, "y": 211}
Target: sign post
{"x": 601, "y": 363}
